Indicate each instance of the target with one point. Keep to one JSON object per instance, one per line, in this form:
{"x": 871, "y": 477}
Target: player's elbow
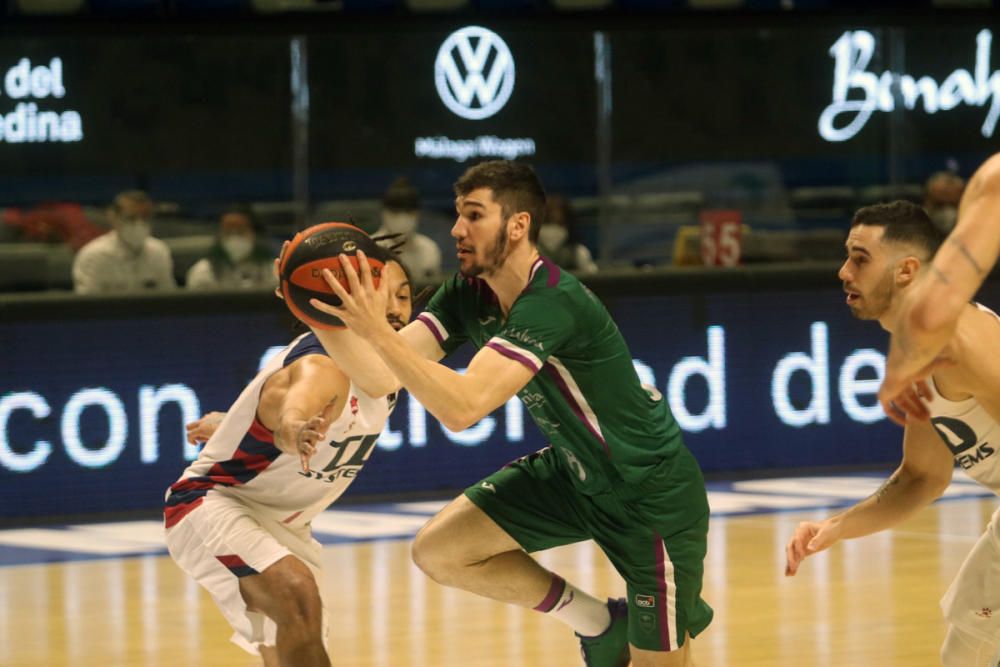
{"x": 461, "y": 417}
{"x": 457, "y": 422}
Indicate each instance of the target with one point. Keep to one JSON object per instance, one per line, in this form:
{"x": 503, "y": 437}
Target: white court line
{"x": 359, "y": 525}
{"x": 73, "y": 540}
{"x": 426, "y": 507}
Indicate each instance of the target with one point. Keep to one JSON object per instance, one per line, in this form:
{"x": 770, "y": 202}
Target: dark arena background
{"x": 711, "y": 155}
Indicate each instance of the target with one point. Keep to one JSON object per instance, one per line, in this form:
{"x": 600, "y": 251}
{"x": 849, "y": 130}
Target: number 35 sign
{"x": 721, "y": 237}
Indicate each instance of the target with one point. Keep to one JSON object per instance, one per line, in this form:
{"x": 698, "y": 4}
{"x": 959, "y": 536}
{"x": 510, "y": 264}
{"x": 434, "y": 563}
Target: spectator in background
{"x": 400, "y": 216}
{"x": 240, "y": 258}
{"x": 50, "y": 223}
{"x": 127, "y": 258}
{"x": 558, "y": 240}
{"x": 942, "y": 192}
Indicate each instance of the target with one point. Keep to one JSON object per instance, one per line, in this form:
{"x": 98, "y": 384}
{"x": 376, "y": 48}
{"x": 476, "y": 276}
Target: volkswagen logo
{"x": 474, "y": 72}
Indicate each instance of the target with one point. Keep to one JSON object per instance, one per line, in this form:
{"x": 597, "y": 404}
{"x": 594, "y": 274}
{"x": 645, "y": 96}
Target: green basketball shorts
{"x": 654, "y": 533}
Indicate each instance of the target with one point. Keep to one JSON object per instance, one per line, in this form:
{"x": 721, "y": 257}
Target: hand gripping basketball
{"x": 301, "y": 266}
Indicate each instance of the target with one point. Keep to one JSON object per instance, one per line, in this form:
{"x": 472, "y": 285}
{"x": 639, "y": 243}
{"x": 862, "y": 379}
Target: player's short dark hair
{"x": 515, "y": 187}
{"x": 903, "y": 222}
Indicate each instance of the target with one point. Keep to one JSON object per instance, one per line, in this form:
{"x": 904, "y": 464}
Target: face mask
{"x": 552, "y": 236}
{"x": 399, "y": 223}
{"x": 134, "y": 234}
{"x": 237, "y": 246}
{"x": 944, "y": 217}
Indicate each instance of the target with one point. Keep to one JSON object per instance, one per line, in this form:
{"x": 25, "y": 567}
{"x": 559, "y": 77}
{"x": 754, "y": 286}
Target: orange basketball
{"x": 315, "y": 249}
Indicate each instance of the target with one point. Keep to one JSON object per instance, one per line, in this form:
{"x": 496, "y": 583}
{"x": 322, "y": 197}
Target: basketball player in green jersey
{"x": 617, "y": 471}
{"x": 929, "y": 313}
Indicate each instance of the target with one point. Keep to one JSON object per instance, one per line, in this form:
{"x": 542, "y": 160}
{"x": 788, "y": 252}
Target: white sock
{"x": 587, "y": 615}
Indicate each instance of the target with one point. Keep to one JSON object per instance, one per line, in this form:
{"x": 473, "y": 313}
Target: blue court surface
{"x": 398, "y": 521}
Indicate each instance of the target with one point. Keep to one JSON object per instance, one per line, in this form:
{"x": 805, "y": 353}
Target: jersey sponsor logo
{"x": 958, "y": 435}
{"x": 489, "y": 486}
{"x": 981, "y": 454}
{"x": 575, "y": 465}
{"x": 532, "y": 399}
{"x": 523, "y": 336}
{"x": 486, "y": 320}
{"x": 342, "y": 466}
{"x": 647, "y": 601}
{"x": 647, "y": 621}
{"x": 960, "y": 438}
{"x": 546, "y": 424}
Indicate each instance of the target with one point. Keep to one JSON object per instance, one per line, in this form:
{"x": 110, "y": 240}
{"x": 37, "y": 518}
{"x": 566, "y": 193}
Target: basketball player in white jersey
{"x": 889, "y": 249}
{"x": 929, "y": 313}
{"x": 238, "y": 518}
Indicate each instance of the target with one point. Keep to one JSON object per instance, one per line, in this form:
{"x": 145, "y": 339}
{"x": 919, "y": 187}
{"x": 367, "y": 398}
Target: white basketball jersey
{"x": 971, "y": 433}
{"x": 240, "y": 458}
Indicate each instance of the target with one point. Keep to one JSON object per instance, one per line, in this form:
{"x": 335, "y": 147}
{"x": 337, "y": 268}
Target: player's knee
{"x": 297, "y": 601}
{"x": 430, "y": 555}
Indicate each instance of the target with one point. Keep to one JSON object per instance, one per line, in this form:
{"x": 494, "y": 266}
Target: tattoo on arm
{"x": 940, "y": 275}
{"x": 886, "y": 485}
{"x": 967, "y": 255}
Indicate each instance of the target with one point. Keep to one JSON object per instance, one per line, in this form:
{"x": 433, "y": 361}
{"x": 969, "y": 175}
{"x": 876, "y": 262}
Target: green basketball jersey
{"x": 585, "y": 395}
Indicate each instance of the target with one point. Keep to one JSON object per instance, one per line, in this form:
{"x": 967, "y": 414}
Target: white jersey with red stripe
{"x": 241, "y": 460}
{"x": 971, "y": 433}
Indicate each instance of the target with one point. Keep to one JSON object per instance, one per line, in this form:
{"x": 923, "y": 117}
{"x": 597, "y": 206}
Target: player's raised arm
{"x": 930, "y": 311}
{"x": 922, "y": 477}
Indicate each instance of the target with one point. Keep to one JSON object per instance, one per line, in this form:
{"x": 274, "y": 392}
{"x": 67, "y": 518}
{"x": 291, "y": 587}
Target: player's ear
{"x": 907, "y": 269}
{"x": 519, "y": 225}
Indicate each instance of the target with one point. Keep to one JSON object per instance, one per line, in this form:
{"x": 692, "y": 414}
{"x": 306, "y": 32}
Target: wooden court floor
{"x": 867, "y": 603}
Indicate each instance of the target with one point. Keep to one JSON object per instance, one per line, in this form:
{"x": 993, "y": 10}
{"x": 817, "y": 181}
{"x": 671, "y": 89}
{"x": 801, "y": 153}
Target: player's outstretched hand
{"x": 810, "y": 537}
{"x": 200, "y": 430}
{"x": 904, "y": 398}
{"x": 302, "y": 437}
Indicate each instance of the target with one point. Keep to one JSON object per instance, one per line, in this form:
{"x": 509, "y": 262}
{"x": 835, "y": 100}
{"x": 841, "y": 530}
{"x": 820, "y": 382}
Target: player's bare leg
{"x": 464, "y": 548}
{"x": 679, "y": 658}
{"x": 270, "y": 656}
{"x": 287, "y": 593}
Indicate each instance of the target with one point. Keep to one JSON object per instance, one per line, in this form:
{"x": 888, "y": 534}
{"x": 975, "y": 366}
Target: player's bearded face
{"x": 490, "y": 255}
{"x": 875, "y": 300}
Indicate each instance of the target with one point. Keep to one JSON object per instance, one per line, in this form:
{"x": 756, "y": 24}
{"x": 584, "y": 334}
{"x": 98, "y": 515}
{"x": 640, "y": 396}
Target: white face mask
{"x": 552, "y": 237}
{"x": 134, "y": 234}
{"x": 237, "y": 246}
{"x": 396, "y": 222}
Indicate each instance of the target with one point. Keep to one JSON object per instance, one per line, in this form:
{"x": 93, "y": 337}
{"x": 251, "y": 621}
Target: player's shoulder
{"x": 549, "y": 283}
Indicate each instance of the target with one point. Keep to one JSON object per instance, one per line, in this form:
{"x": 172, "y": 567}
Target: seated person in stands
{"x": 942, "y": 192}
{"x": 401, "y": 216}
{"x": 127, "y": 258}
{"x": 557, "y": 237}
{"x": 240, "y": 258}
